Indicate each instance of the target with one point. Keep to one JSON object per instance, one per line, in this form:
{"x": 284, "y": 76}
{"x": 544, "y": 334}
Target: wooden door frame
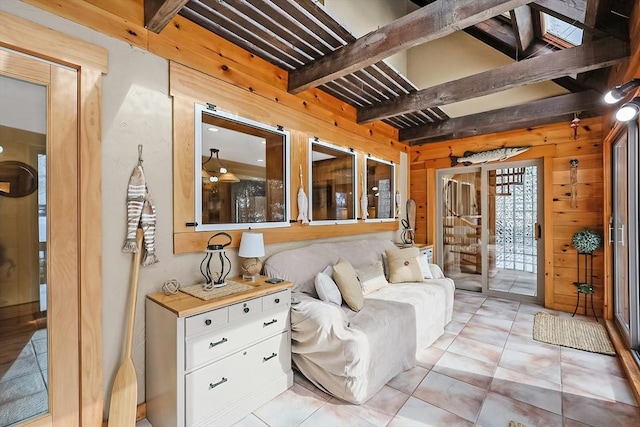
{"x": 90, "y": 63}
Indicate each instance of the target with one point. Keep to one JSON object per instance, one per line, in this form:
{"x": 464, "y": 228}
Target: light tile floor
{"x": 485, "y": 371}
{"x": 23, "y": 376}
{"x": 508, "y": 281}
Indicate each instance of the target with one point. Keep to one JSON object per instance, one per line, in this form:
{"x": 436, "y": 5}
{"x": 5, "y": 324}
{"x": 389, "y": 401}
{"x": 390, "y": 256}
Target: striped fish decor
{"x": 141, "y": 212}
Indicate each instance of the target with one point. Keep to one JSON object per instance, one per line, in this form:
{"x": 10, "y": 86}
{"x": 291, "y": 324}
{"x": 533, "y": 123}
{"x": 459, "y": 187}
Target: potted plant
{"x": 586, "y": 241}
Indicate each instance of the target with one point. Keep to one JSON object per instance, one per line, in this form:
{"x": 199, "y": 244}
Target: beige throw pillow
{"x": 404, "y": 265}
{"x": 347, "y": 281}
{"x": 371, "y": 277}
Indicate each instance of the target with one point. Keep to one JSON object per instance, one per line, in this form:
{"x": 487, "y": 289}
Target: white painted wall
{"x": 136, "y": 109}
{"x": 363, "y": 16}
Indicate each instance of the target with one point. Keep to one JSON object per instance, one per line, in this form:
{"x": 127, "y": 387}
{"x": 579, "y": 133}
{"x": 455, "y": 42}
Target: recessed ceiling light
{"x": 264, "y": 141}
{"x": 1, "y": 149}
{"x": 260, "y": 160}
{"x": 213, "y": 129}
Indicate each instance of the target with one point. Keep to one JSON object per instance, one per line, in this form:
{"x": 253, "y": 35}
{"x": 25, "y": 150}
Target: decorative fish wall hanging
{"x": 499, "y": 154}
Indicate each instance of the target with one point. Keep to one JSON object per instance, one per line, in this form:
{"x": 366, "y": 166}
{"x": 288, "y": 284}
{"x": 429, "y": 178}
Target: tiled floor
{"x": 485, "y": 370}
{"x": 508, "y": 281}
{"x": 23, "y": 376}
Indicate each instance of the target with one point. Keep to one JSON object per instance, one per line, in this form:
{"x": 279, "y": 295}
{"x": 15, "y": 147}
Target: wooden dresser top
{"x": 184, "y": 304}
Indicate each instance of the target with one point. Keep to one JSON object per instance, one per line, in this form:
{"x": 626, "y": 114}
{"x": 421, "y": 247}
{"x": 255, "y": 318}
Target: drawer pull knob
{"x": 264, "y": 359}
{"x": 270, "y": 323}
{"x": 207, "y": 322}
{"x": 214, "y": 385}
{"x": 246, "y": 309}
{"x": 277, "y": 300}
{"x": 222, "y": 341}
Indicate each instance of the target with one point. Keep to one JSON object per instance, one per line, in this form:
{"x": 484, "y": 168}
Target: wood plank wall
{"x": 554, "y": 144}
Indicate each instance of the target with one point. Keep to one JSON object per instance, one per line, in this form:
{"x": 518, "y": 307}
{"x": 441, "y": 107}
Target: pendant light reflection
{"x": 221, "y": 174}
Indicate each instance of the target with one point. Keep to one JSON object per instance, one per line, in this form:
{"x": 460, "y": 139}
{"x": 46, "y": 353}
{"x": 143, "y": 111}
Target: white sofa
{"x": 348, "y": 354}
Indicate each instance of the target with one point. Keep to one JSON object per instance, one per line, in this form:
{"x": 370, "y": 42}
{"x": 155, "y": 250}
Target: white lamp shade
{"x": 251, "y": 245}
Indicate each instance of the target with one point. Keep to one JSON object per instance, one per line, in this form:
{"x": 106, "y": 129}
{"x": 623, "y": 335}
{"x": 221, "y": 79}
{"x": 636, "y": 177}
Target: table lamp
{"x": 251, "y": 248}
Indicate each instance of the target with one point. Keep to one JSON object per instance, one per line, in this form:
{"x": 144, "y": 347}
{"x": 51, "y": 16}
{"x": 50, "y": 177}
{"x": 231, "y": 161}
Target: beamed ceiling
{"x": 300, "y": 37}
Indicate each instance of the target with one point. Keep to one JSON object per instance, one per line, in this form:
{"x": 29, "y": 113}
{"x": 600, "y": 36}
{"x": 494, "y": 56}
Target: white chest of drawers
{"x": 211, "y": 363}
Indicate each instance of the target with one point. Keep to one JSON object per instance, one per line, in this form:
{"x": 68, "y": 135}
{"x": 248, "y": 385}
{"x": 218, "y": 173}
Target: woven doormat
{"x": 566, "y": 332}
{"x": 230, "y": 289}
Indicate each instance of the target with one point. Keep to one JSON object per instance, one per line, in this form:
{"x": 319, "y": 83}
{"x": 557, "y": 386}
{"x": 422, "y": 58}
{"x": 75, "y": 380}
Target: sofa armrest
{"x": 313, "y": 319}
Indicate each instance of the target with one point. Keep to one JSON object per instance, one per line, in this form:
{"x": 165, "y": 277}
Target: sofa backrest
{"x": 301, "y": 265}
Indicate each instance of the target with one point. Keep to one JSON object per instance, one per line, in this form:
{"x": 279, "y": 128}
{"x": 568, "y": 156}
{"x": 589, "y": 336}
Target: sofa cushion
{"x": 436, "y": 271}
{"x": 404, "y": 265}
{"x": 371, "y": 277}
{"x": 301, "y": 265}
{"x": 347, "y": 281}
{"x": 326, "y": 288}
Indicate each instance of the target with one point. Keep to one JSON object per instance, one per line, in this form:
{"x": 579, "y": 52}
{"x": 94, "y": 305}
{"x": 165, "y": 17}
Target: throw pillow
{"x": 347, "y": 281}
{"x": 404, "y": 265}
{"x": 424, "y": 266}
{"x": 371, "y": 277}
{"x": 326, "y": 288}
{"x": 436, "y": 271}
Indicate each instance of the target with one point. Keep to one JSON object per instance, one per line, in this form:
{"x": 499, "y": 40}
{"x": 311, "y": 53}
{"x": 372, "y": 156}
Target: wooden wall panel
{"x": 555, "y": 144}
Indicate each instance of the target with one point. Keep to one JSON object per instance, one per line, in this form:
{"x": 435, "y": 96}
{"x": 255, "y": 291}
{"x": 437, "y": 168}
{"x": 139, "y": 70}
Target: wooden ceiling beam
{"x": 158, "y": 13}
{"x": 428, "y": 23}
{"x": 508, "y": 118}
{"x": 522, "y": 22}
{"x": 599, "y": 54}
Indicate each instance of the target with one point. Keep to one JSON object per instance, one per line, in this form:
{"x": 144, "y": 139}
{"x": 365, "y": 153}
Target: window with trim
{"x": 560, "y": 33}
{"x": 241, "y": 172}
{"x": 380, "y": 187}
{"x": 332, "y": 183}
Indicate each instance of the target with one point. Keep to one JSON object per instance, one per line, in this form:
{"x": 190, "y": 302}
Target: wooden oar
{"x": 124, "y": 394}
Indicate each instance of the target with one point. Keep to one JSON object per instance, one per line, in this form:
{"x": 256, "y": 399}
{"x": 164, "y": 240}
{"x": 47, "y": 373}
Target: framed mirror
{"x": 332, "y": 183}
{"x": 242, "y": 178}
{"x": 380, "y": 178}
{"x": 17, "y": 179}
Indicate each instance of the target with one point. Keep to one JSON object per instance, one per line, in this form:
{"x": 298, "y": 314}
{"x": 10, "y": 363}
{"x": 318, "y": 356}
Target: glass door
{"x": 513, "y": 233}
{"x": 489, "y": 236}
{"x": 460, "y": 223}
{"x": 624, "y": 234}
{"x": 39, "y": 327}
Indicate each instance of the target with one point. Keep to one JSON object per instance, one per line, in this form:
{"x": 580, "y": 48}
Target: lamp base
{"x": 251, "y": 267}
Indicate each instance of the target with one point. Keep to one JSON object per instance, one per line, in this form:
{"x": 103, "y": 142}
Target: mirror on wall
{"x": 241, "y": 172}
{"x": 17, "y": 179}
{"x": 380, "y": 185}
{"x": 332, "y": 183}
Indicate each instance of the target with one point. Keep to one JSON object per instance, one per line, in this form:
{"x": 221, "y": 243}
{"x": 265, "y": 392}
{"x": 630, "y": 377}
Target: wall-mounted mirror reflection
{"x": 380, "y": 184}
{"x": 241, "y": 172}
{"x": 332, "y": 183}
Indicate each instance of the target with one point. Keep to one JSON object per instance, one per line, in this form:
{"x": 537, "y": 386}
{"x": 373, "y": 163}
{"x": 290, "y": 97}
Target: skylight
{"x": 567, "y": 32}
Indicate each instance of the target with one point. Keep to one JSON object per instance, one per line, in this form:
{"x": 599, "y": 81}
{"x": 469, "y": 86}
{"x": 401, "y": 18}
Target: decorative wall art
{"x": 573, "y": 178}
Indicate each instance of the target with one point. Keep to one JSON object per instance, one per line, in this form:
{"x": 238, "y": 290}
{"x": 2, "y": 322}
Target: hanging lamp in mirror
{"x": 217, "y": 175}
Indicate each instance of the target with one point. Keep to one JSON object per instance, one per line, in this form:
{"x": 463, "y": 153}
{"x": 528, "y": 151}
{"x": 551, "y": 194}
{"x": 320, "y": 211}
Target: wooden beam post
{"x": 158, "y": 13}
{"x": 599, "y": 54}
{"x": 425, "y": 24}
{"x": 520, "y": 116}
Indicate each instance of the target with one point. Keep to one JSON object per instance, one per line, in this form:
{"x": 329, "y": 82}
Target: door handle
{"x": 537, "y": 231}
{"x": 621, "y": 234}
